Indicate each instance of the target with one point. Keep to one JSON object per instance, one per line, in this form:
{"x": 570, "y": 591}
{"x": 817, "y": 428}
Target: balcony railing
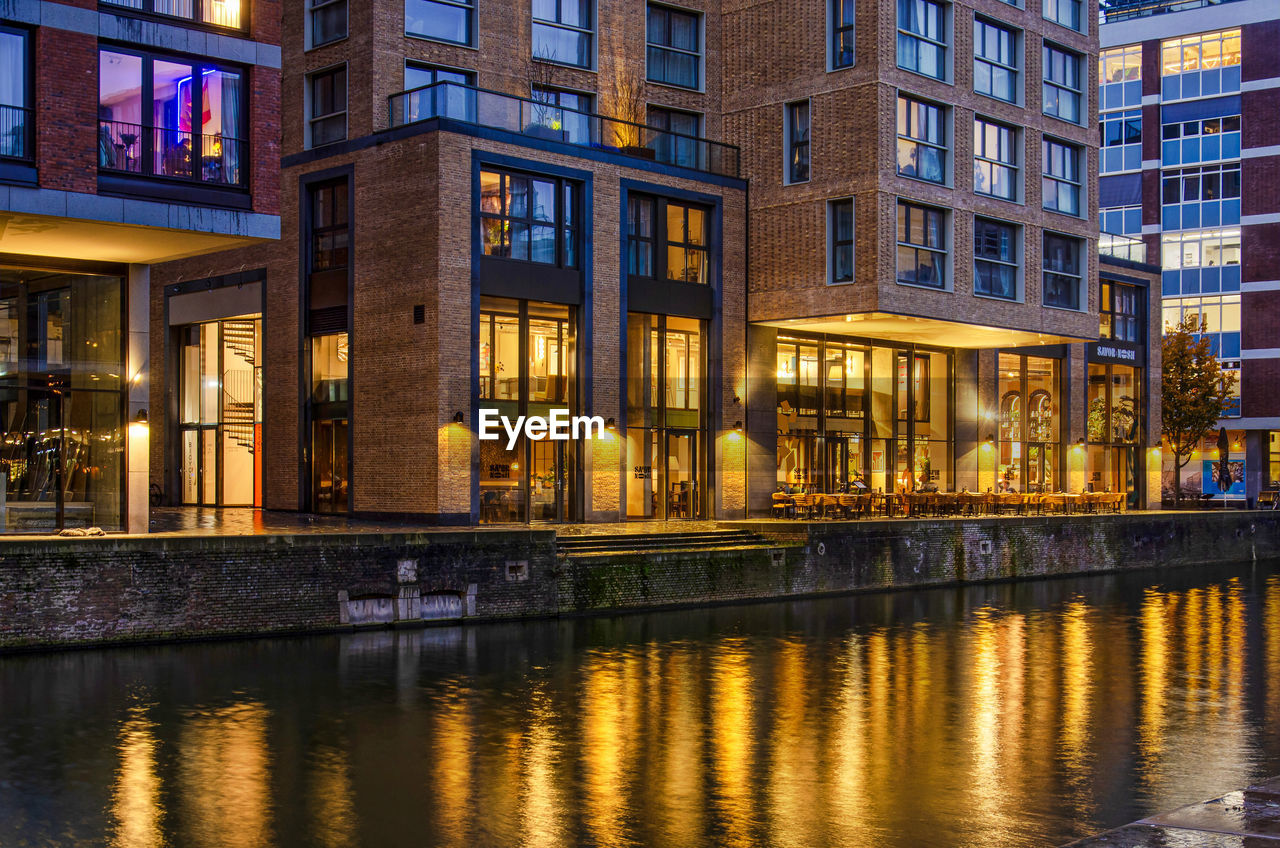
{"x": 1122, "y": 247}
{"x": 1111, "y": 11}
{"x": 543, "y": 120}
{"x": 163, "y": 152}
{"x": 15, "y": 132}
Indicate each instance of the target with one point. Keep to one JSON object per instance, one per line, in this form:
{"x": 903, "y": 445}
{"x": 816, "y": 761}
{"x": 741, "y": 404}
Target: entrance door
{"x": 548, "y": 481}
{"x": 329, "y": 466}
{"x": 682, "y": 475}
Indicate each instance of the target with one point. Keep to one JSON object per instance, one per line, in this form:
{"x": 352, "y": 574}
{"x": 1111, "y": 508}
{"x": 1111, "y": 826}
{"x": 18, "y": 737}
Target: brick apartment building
{"x": 113, "y": 158}
{"x": 1189, "y": 102}
{"x": 773, "y": 243}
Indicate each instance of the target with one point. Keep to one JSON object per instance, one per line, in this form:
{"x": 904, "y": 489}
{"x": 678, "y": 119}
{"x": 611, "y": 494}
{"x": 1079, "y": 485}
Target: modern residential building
{"x": 546, "y": 206}
{"x": 1190, "y": 166}
{"x": 131, "y": 132}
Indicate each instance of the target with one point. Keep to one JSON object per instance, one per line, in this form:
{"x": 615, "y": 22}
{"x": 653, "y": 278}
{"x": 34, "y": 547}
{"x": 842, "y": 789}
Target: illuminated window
{"x": 1200, "y": 52}
{"x": 1120, "y": 65}
{"x": 529, "y": 218}
{"x": 221, "y": 13}
{"x": 1202, "y": 249}
{"x": 922, "y": 142}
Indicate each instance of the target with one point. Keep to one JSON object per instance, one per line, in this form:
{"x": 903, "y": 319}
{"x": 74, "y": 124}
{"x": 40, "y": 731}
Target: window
{"x": 15, "y": 123}
{"x": 1121, "y": 141}
{"x": 1121, "y": 220}
{"x": 221, "y": 13}
{"x": 922, "y": 146}
{"x": 453, "y": 99}
{"x": 1120, "y": 312}
{"x": 441, "y": 20}
{"x": 1062, "y": 271}
{"x": 1123, "y": 64}
{"x": 995, "y": 259}
{"x": 683, "y": 148}
{"x": 327, "y": 21}
{"x": 1062, "y": 177}
{"x": 532, "y": 219}
{"x": 995, "y": 61}
{"x": 1063, "y": 89}
{"x": 797, "y": 144}
{"x": 568, "y": 113}
{"x": 564, "y": 32}
{"x": 1221, "y": 317}
{"x": 1210, "y": 140}
{"x": 922, "y": 245}
{"x": 1200, "y": 52}
{"x": 1200, "y": 249}
{"x": 1208, "y": 182}
{"x": 922, "y": 44}
{"x": 843, "y": 29}
{"x": 329, "y": 225}
{"x": 674, "y": 47}
{"x": 840, "y": 240}
{"x": 147, "y": 107}
{"x": 327, "y": 111}
{"x": 995, "y": 159}
{"x": 1065, "y": 12}
{"x": 667, "y": 239}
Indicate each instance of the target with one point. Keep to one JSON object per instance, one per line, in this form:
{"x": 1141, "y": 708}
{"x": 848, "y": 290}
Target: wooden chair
{"x": 803, "y": 502}
{"x": 782, "y": 504}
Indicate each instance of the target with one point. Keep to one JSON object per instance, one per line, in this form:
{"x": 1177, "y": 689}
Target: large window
{"x": 1208, "y": 51}
{"x": 674, "y": 47}
{"x": 564, "y": 32}
{"x": 796, "y": 130}
{"x": 1120, "y": 312}
{"x": 840, "y": 240}
{"x": 922, "y": 37}
{"x": 327, "y": 106}
{"x": 1062, "y": 184}
{"x": 330, "y": 226}
{"x": 843, "y": 30}
{"x": 667, "y": 239}
{"x": 922, "y": 245}
{"x": 1208, "y": 182}
{"x": 529, "y": 218}
{"x": 15, "y": 116}
{"x": 1200, "y": 249}
{"x": 995, "y": 60}
{"x": 922, "y": 143}
{"x": 1028, "y": 449}
{"x": 1063, "y": 259}
{"x": 221, "y": 13}
{"x": 153, "y": 120}
{"x": 451, "y": 100}
{"x": 1209, "y": 140}
{"x": 326, "y": 21}
{"x": 1064, "y": 12}
{"x": 441, "y": 20}
{"x": 995, "y": 159}
{"x": 1114, "y": 428}
{"x": 1121, "y": 141}
{"x": 1063, "y": 84}
{"x": 1220, "y": 314}
{"x": 1120, "y": 77}
{"x": 683, "y": 147}
{"x": 995, "y": 259}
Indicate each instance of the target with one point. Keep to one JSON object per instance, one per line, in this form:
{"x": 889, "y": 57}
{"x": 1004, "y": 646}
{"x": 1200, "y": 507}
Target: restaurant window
{"x": 219, "y": 13}
{"x": 326, "y": 21}
{"x": 1068, "y": 13}
{"x": 1027, "y": 451}
{"x": 529, "y": 218}
{"x": 995, "y": 60}
{"x": 843, "y": 31}
{"x": 678, "y": 144}
{"x": 666, "y": 416}
{"x": 667, "y": 239}
{"x": 674, "y": 47}
{"x": 327, "y": 106}
{"x": 153, "y": 120}
{"x": 1063, "y": 271}
{"x": 564, "y": 32}
{"x": 15, "y": 114}
{"x": 1120, "y": 312}
{"x": 453, "y": 21}
{"x": 922, "y": 140}
{"x": 995, "y": 159}
{"x": 922, "y": 37}
{"x": 796, "y": 130}
{"x": 922, "y": 245}
{"x": 1114, "y": 426}
{"x": 1063, "y": 84}
{"x": 995, "y": 259}
{"x": 1063, "y": 181}
{"x": 840, "y": 247}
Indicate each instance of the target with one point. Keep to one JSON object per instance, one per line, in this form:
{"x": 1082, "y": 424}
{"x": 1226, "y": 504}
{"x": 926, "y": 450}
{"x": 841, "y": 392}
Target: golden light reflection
{"x": 453, "y": 755}
{"x": 543, "y": 806}
{"x": 792, "y": 766}
{"x": 610, "y": 706}
{"x": 681, "y": 805}
{"x": 224, "y": 778}
{"x": 332, "y": 799}
{"x": 1271, "y": 647}
{"x": 1154, "y": 658}
{"x": 851, "y": 805}
{"x": 732, "y": 741}
{"x": 135, "y": 797}
{"x": 1077, "y": 689}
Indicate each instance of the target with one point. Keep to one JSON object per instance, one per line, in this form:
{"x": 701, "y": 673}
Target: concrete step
{"x": 603, "y": 544}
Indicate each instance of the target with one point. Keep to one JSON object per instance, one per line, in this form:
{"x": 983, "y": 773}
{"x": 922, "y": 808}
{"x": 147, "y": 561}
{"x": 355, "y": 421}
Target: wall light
{"x": 737, "y": 426}
{"x": 611, "y": 424}
{"x": 458, "y": 418}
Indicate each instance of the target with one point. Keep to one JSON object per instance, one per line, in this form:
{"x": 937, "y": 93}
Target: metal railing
{"x": 538, "y": 119}
{"x": 1122, "y": 247}
{"x": 163, "y": 152}
{"x": 15, "y": 132}
{"x": 1111, "y": 11}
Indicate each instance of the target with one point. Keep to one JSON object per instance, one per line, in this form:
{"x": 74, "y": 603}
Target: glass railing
{"x": 15, "y": 132}
{"x": 163, "y": 152}
{"x": 537, "y": 119}
{"x": 1110, "y": 11}
{"x": 1122, "y": 247}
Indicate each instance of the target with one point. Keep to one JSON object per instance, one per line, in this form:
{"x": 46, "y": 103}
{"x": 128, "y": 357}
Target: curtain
{"x": 231, "y": 124}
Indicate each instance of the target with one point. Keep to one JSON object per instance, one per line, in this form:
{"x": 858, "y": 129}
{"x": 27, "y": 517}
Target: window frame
{"x": 1048, "y": 176}
{"x": 1082, "y": 22}
{"x": 316, "y": 231}
{"x": 699, "y": 55}
{"x": 1015, "y": 263}
{"x": 943, "y": 146}
{"x": 1062, "y": 87}
{"x": 146, "y": 9}
{"x": 1015, "y": 50}
{"x": 314, "y": 6}
{"x": 563, "y": 218}
{"x": 1179, "y": 176}
{"x": 1179, "y": 44}
{"x": 27, "y": 106}
{"x": 791, "y": 144}
{"x": 660, "y": 239}
{"x": 1081, "y": 303}
{"x": 589, "y": 31}
{"x": 1111, "y": 291}
{"x": 312, "y": 118}
{"x": 835, "y": 243}
{"x": 469, "y": 6}
{"x": 945, "y": 26}
{"x": 836, "y": 28}
{"x": 979, "y": 155}
{"x": 944, "y": 284}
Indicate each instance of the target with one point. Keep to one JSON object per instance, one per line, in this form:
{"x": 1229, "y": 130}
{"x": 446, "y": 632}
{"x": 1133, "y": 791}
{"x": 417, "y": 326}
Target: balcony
{"x": 1122, "y": 247}
{"x": 15, "y": 132}
{"x": 540, "y": 120}
{"x": 1110, "y": 11}
{"x": 162, "y": 152}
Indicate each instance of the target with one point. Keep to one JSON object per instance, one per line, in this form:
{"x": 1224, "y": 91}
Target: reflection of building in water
{"x": 223, "y": 778}
{"x": 136, "y": 804}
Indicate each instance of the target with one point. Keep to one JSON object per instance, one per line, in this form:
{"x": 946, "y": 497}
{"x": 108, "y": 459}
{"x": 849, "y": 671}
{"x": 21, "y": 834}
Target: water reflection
{"x": 994, "y": 716}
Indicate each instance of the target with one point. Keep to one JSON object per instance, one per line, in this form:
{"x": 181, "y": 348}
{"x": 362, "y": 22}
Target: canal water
{"x": 1008, "y": 715}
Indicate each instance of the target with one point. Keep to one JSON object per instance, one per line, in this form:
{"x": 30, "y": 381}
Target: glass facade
{"x": 1028, "y": 449}
{"x": 1114, "y": 426}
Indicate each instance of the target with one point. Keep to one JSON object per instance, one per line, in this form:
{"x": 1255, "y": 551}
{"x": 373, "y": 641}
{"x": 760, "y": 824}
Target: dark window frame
{"x": 835, "y": 244}
{"x": 844, "y": 32}
{"x": 1063, "y": 87}
{"x": 1077, "y": 180}
{"x": 146, "y": 9}
{"x": 660, "y": 240}
{"x": 469, "y": 7}
{"x": 313, "y": 118}
{"x": 566, "y": 219}
{"x": 1058, "y": 275}
{"x": 665, "y": 47}
{"x": 798, "y": 145}
{"x": 589, "y": 31}
{"x": 1012, "y": 67}
{"x": 995, "y": 261}
{"x": 319, "y": 231}
{"x": 904, "y": 136}
{"x": 981, "y": 154}
{"x": 27, "y": 107}
{"x": 1113, "y": 316}
{"x": 942, "y": 252}
{"x": 317, "y": 7}
{"x": 942, "y": 43}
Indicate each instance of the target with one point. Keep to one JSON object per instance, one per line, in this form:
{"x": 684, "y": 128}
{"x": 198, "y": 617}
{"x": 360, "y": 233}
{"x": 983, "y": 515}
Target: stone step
{"x": 580, "y": 546}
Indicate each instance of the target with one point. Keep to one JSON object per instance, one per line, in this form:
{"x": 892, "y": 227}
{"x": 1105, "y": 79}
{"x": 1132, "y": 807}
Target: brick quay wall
{"x": 88, "y": 591}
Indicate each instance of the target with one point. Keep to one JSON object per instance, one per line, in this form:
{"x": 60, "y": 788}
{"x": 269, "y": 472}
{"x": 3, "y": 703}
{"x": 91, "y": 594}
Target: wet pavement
{"x": 1247, "y": 819}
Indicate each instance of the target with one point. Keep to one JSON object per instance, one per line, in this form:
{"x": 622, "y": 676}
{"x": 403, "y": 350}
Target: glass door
{"x": 329, "y": 466}
{"x": 548, "y": 481}
{"x": 681, "y": 475}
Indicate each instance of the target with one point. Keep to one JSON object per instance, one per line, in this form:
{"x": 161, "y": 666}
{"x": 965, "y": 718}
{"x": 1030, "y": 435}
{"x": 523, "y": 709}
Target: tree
{"x": 1194, "y": 394}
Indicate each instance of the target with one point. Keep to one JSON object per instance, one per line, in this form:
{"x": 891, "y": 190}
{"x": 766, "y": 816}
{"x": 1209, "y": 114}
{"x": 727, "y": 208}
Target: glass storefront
{"x": 1114, "y": 427}
{"x": 330, "y": 423}
{"x": 527, "y": 358}
{"x": 220, "y": 412}
{"x": 62, "y": 398}
{"x": 850, "y": 412}
{"x": 666, "y": 416}
{"x": 1028, "y": 451}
